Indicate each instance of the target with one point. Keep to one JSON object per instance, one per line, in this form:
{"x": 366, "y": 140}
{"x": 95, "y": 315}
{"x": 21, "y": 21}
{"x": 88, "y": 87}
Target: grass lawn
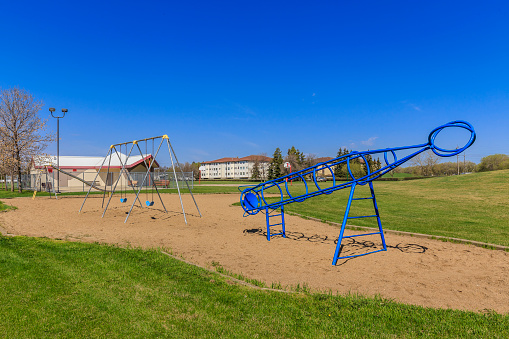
{"x": 53, "y": 289}
{"x": 398, "y": 175}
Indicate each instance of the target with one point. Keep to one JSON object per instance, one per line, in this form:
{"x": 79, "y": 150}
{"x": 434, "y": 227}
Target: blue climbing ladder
{"x": 270, "y": 215}
{"x": 346, "y": 217}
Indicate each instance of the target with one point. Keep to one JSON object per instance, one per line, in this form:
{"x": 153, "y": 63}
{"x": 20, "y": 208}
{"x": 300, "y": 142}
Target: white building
{"x": 235, "y": 168}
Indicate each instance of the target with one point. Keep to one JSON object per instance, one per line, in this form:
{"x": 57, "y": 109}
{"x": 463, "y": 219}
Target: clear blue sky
{"x": 234, "y": 78}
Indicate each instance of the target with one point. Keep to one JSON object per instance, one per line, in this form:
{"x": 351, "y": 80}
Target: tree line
{"x": 22, "y": 134}
{"x": 298, "y": 161}
{"x": 426, "y": 164}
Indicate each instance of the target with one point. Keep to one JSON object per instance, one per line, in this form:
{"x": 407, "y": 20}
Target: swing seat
{"x": 123, "y": 200}
{"x": 149, "y": 203}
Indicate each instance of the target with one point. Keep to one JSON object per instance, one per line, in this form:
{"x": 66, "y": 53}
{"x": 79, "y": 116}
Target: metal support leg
{"x": 283, "y": 220}
{"x": 183, "y": 176}
{"x": 343, "y": 225}
{"x": 379, "y": 222}
{"x": 268, "y": 223}
{"x": 177, "y": 183}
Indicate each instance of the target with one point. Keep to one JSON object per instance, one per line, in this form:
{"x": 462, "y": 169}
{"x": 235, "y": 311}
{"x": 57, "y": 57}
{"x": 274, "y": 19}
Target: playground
{"x": 413, "y": 270}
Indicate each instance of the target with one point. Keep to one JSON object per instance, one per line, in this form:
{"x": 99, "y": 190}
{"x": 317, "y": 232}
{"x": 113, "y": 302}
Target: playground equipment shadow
{"x": 416, "y": 271}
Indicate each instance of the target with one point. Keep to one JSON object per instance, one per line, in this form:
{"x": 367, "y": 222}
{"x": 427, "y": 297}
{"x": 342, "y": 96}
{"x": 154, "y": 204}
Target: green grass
{"x": 398, "y": 175}
{"x": 473, "y": 206}
{"x": 8, "y": 194}
{"x": 51, "y": 288}
{"x": 5, "y": 207}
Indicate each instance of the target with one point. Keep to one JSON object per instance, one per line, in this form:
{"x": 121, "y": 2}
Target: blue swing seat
{"x": 149, "y": 203}
{"x": 123, "y": 200}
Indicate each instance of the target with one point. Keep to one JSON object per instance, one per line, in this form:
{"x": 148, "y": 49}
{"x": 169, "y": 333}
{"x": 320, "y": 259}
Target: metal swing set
{"x": 124, "y": 177}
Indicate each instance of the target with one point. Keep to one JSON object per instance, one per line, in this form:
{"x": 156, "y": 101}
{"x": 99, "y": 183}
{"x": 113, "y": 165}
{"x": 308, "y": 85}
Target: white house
{"x": 235, "y": 168}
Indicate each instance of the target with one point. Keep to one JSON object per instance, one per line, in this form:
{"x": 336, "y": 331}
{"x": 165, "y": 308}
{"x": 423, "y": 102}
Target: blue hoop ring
{"x": 446, "y": 152}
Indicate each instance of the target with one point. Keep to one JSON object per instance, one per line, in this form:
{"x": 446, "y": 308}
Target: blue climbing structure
{"x": 253, "y": 198}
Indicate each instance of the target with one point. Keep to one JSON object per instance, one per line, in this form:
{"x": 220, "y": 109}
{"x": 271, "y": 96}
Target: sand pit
{"x": 417, "y": 271}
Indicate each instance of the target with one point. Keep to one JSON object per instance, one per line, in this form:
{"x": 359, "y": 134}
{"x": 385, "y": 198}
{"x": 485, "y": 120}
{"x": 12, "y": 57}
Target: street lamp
{"x": 64, "y": 110}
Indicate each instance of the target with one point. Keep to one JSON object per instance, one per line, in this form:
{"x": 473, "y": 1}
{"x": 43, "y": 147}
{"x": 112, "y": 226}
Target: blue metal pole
{"x": 268, "y": 223}
{"x": 377, "y": 216}
{"x": 283, "y": 220}
{"x": 343, "y": 225}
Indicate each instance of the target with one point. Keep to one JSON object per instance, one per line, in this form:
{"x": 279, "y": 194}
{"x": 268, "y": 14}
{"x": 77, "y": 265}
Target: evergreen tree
{"x": 341, "y": 170}
{"x": 338, "y": 169}
{"x": 255, "y": 173}
{"x": 275, "y": 165}
{"x": 370, "y": 163}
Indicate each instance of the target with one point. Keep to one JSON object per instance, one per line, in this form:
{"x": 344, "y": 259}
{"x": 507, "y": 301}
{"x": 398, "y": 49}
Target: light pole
{"x": 64, "y": 110}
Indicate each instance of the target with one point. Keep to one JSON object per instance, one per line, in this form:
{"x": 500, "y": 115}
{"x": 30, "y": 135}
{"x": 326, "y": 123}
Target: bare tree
{"x": 21, "y": 127}
{"x": 310, "y": 160}
{"x": 263, "y": 165}
{"x": 186, "y": 167}
{"x": 6, "y": 162}
{"x": 425, "y": 163}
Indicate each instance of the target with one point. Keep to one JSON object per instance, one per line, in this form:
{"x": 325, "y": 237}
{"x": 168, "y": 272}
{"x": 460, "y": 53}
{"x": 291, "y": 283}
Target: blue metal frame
{"x": 252, "y": 197}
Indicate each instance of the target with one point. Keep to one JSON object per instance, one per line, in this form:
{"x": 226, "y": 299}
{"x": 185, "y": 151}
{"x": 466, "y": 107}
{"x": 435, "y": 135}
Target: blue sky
{"x": 233, "y": 78}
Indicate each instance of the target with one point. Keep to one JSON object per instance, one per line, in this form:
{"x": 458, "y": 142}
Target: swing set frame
{"x": 116, "y": 150}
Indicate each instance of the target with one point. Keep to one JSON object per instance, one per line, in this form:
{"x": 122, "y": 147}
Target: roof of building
{"x": 84, "y": 162}
{"x": 323, "y": 159}
{"x": 237, "y": 159}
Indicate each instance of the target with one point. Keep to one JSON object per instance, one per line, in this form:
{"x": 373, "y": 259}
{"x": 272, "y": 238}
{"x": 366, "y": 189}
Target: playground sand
{"x": 416, "y": 271}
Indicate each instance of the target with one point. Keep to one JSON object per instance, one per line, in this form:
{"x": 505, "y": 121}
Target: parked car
{"x": 321, "y": 179}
